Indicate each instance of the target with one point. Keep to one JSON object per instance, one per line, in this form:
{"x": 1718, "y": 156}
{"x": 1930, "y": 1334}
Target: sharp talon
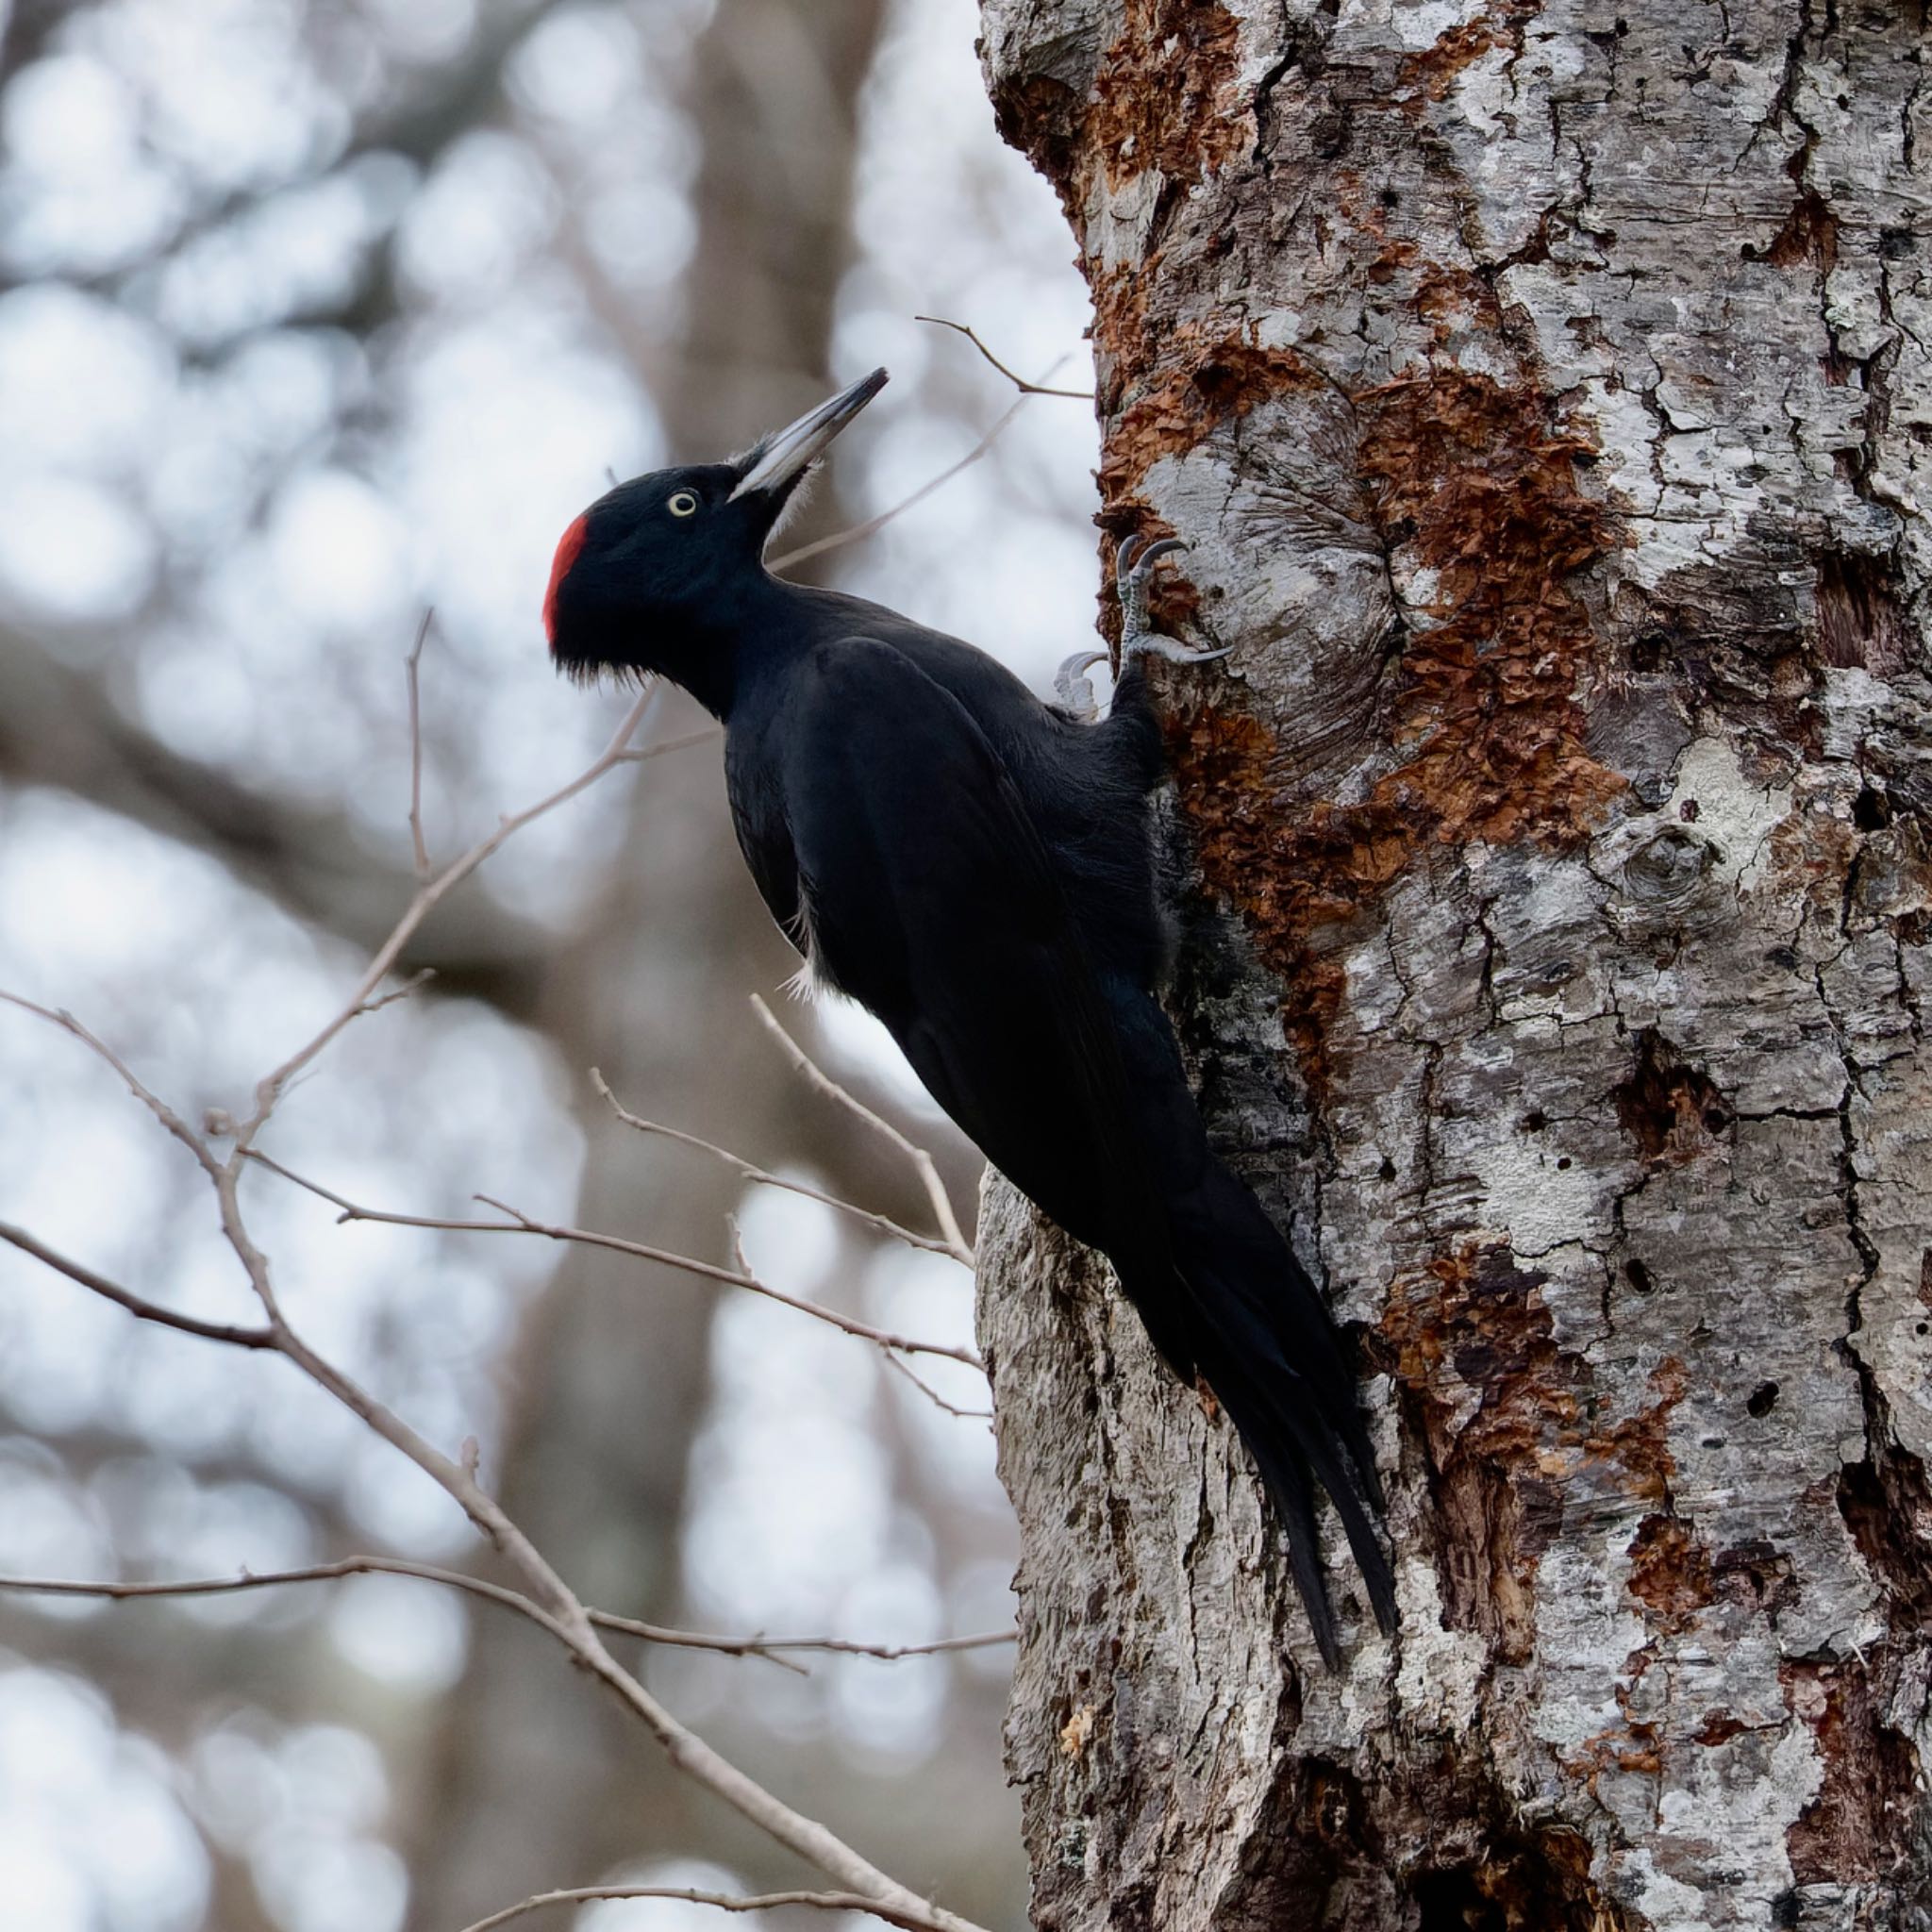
{"x": 1162, "y": 546}
{"x": 1129, "y": 569}
{"x": 1137, "y": 639}
{"x": 1075, "y": 690}
{"x": 1154, "y": 646}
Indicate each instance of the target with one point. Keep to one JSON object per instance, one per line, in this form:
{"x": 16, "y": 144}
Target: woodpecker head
{"x": 652, "y": 575}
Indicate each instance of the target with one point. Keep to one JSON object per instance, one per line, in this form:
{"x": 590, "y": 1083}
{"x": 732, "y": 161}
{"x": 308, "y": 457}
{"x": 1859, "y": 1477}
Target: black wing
{"x": 931, "y": 898}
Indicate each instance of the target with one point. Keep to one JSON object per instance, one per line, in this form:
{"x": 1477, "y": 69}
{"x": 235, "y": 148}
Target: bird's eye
{"x": 683, "y": 505}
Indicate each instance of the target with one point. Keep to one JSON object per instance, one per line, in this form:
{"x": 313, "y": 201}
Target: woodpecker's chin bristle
{"x": 586, "y": 673}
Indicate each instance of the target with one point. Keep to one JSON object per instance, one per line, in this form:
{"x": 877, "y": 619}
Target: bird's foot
{"x": 1131, "y": 576}
{"x": 1075, "y": 688}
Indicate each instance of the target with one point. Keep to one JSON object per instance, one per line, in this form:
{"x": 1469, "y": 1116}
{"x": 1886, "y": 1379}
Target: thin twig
{"x": 415, "y": 983}
{"x": 840, "y": 538}
{"x": 764, "y": 1647}
{"x": 764, "y": 1177}
{"x": 644, "y": 753}
{"x": 517, "y": 1222}
{"x": 269, "y": 1089}
{"x": 410, "y": 665}
{"x": 152, "y": 1101}
{"x": 740, "y": 1277}
{"x": 426, "y": 1573}
{"x": 694, "y": 1640}
{"x": 135, "y": 1305}
{"x": 1019, "y": 381}
{"x": 274, "y": 1579}
{"x": 771, "y": 1901}
{"x": 802, "y": 1062}
{"x": 932, "y": 1394}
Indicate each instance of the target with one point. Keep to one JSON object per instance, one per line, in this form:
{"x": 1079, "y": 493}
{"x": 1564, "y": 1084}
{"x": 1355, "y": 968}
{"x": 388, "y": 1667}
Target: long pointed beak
{"x": 781, "y": 460}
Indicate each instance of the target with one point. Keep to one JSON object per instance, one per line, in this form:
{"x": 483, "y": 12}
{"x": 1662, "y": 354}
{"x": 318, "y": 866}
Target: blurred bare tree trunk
{"x": 1544, "y": 393}
{"x": 537, "y": 1783}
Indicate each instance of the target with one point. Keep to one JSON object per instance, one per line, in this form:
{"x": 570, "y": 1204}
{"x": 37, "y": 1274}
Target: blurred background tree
{"x": 312, "y": 317}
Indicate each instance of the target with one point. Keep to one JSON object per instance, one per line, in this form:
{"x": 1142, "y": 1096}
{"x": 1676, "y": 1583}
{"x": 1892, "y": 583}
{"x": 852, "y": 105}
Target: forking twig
{"x": 269, "y": 1090}
{"x": 956, "y": 1244}
{"x": 116, "y": 1590}
{"x": 764, "y": 1177}
{"x": 932, "y": 1394}
{"x": 516, "y": 1222}
{"x": 1019, "y": 381}
{"x": 840, "y": 538}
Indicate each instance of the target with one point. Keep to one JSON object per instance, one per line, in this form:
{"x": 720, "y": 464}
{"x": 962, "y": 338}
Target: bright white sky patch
{"x": 73, "y": 551}
{"x": 408, "y": 1636}
{"x": 90, "y": 1833}
{"x": 338, "y": 553}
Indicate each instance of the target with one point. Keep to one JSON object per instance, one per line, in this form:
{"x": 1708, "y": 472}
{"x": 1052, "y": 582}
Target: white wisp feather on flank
{"x": 810, "y": 982}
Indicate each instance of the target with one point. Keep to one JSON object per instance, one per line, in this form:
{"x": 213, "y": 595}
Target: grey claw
{"x": 1154, "y": 646}
{"x": 1129, "y": 569}
{"x": 1131, "y": 581}
{"x": 1075, "y": 690}
{"x": 1162, "y": 546}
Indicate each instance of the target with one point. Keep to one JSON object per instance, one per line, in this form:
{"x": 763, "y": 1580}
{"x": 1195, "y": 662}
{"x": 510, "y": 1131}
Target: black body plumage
{"x": 976, "y": 868}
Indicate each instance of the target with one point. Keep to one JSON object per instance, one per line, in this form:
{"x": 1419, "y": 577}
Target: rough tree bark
{"x": 1544, "y": 389}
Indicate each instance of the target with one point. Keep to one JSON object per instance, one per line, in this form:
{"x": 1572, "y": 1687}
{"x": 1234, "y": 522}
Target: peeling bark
{"x": 1544, "y": 391}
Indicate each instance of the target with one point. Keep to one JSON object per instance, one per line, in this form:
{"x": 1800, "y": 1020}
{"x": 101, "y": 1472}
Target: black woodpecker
{"x": 976, "y": 868}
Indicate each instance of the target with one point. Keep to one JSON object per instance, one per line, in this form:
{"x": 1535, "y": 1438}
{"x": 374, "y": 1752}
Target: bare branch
{"x": 551, "y": 1600}
{"x": 802, "y": 1062}
{"x": 125, "y": 1298}
{"x": 887, "y": 1653}
{"x": 153, "y": 1102}
{"x": 1019, "y": 382}
{"x": 763, "y": 1176}
{"x": 840, "y": 538}
{"x": 517, "y": 1222}
{"x": 573, "y": 1624}
{"x": 825, "y": 1901}
{"x": 521, "y": 1222}
{"x": 410, "y": 665}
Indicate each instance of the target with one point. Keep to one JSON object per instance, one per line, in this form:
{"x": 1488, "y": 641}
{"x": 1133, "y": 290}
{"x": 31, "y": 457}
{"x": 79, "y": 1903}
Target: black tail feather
{"x": 1264, "y": 1342}
{"x": 1294, "y": 1502}
{"x": 1221, "y": 1292}
{"x": 1289, "y": 1447}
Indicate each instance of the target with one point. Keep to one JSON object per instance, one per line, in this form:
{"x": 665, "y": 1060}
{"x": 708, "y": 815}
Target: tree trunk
{"x": 1544, "y": 392}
